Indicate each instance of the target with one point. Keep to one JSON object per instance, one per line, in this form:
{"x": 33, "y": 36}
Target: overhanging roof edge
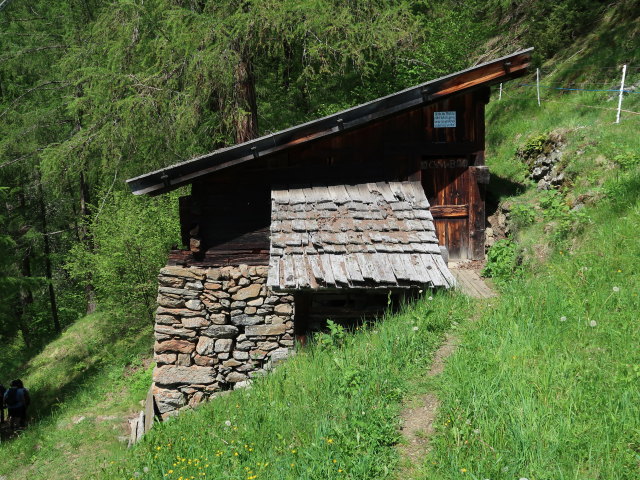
{"x": 174, "y": 176}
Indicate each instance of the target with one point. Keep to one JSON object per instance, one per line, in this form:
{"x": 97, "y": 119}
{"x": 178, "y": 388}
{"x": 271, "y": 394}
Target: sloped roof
{"x": 354, "y": 236}
{"x": 495, "y": 71}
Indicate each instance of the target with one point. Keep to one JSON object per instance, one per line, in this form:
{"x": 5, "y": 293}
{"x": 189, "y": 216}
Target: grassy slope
{"x": 531, "y": 394}
{"x": 84, "y": 386}
{"x": 530, "y": 385}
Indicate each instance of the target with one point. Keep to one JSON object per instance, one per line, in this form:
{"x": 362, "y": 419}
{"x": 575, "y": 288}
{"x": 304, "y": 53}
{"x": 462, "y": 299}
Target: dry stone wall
{"x": 216, "y": 329}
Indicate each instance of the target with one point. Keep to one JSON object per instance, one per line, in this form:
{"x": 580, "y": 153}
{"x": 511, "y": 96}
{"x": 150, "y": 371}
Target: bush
{"x": 504, "y": 261}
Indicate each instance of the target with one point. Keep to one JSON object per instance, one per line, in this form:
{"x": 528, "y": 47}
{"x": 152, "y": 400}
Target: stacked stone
{"x": 216, "y": 329}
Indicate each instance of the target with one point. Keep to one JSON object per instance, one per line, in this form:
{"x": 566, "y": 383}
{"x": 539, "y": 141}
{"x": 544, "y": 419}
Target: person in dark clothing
{"x": 17, "y": 400}
{"x": 2, "y": 390}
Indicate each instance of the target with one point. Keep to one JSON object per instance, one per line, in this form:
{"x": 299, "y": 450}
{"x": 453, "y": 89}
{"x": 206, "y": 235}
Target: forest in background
{"x": 92, "y": 93}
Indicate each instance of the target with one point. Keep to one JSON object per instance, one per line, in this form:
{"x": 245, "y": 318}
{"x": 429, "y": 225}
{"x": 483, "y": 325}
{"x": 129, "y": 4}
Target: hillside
{"x": 544, "y": 385}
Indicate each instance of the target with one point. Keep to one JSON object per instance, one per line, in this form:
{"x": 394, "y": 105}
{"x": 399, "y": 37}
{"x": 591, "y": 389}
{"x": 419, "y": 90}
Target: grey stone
{"x": 223, "y": 355}
{"x": 243, "y": 384}
{"x": 194, "y": 305}
{"x": 174, "y": 282}
{"x": 238, "y": 304}
{"x": 278, "y": 355}
{"x": 268, "y": 345}
{"x": 251, "y": 291}
{"x": 240, "y": 355}
{"x": 232, "y": 362}
{"x": 204, "y": 360}
{"x": 165, "y": 358}
{"x": 250, "y": 310}
{"x": 262, "y": 271}
{"x": 177, "y": 312}
{"x": 183, "y": 272}
{"x": 223, "y": 345}
{"x": 218, "y": 319}
{"x": 244, "y": 281}
{"x": 178, "y": 375}
{"x": 178, "y": 332}
{"x": 184, "y": 360}
{"x": 245, "y": 346}
{"x": 170, "y": 302}
{"x": 266, "y": 330}
{"x": 235, "y": 377}
{"x": 166, "y": 320}
{"x": 194, "y": 322}
{"x": 205, "y": 346}
{"x": 177, "y": 346}
{"x": 246, "y": 320}
{"x": 284, "y": 308}
{"x": 197, "y": 285}
{"x": 168, "y": 400}
{"x": 178, "y": 292}
{"x": 213, "y": 274}
{"x": 256, "y": 302}
{"x": 161, "y": 337}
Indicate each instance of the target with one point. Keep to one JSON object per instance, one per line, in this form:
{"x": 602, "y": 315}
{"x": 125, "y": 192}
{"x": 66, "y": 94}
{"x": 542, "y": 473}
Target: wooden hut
{"x": 357, "y": 201}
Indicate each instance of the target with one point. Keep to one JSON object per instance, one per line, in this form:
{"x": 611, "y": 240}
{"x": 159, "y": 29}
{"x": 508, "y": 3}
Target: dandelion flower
{"x": 563, "y": 319}
{"x": 227, "y": 423}
{"x": 616, "y": 289}
{"x": 145, "y": 469}
{"x": 463, "y": 470}
{"x": 430, "y": 298}
{"x": 593, "y": 323}
{"x": 415, "y": 329}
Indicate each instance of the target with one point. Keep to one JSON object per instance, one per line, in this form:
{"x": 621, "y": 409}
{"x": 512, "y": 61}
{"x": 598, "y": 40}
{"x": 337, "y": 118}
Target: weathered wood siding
{"x": 226, "y": 218}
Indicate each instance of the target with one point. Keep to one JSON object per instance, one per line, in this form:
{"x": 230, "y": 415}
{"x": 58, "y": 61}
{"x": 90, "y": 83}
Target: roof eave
{"x": 172, "y": 177}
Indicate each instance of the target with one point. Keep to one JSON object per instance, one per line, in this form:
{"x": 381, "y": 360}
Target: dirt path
{"x": 418, "y": 418}
{"x": 420, "y": 412}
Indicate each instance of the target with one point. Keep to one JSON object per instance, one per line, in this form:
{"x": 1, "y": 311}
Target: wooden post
{"x": 624, "y": 74}
{"x": 478, "y": 178}
{"x": 538, "y": 84}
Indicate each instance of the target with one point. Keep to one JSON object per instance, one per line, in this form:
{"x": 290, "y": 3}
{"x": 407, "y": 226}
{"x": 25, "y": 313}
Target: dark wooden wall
{"x": 226, "y": 218}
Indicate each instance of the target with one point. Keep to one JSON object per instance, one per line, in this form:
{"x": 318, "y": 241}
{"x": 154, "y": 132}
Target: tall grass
{"x": 330, "y": 412}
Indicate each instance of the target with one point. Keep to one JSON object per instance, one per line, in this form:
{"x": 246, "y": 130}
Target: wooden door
{"x": 448, "y": 185}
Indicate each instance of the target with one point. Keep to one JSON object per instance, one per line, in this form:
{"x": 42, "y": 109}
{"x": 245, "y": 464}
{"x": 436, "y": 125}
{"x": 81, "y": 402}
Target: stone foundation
{"x": 215, "y": 329}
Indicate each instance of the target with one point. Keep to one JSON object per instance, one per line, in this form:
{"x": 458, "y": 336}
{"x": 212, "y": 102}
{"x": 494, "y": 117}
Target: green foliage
{"x": 504, "y": 261}
{"x": 521, "y": 216}
{"x": 333, "y": 338}
{"x": 533, "y": 147}
{"x": 130, "y": 237}
{"x": 627, "y": 160}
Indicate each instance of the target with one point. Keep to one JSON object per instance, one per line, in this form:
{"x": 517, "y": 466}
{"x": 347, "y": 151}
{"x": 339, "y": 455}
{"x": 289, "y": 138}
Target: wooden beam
{"x": 450, "y": 211}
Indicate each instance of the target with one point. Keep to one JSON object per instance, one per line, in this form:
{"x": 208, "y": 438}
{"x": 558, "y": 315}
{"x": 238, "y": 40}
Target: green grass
{"x": 530, "y": 395}
{"x": 84, "y": 387}
{"x": 329, "y": 412}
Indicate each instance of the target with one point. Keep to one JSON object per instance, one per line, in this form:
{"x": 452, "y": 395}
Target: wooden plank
{"x": 302, "y": 274}
{"x": 316, "y": 269}
{"x": 384, "y": 268}
{"x": 338, "y": 269}
{"x": 325, "y": 262}
{"x": 338, "y": 194}
{"x": 397, "y": 191}
{"x": 399, "y": 269}
{"x": 289, "y": 272}
{"x": 414, "y": 275}
{"x": 296, "y": 196}
{"x": 385, "y": 191}
{"x": 320, "y": 194}
{"x": 365, "y": 267}
{"x": 432, "y": 269}
{"x": 353, "y": 270}
{"x": 444, "y": 270}
{"x": 280, "y": 196}
{"x": 273, "y": 279}
{"x": 450, "y": 211}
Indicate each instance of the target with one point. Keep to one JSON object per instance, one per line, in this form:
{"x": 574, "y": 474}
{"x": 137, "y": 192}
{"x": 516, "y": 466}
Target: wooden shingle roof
{"x": 373, "y": 235}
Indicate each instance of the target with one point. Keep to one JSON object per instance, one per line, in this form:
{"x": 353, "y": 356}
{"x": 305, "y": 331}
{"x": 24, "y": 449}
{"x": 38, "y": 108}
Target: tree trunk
{"x": 246, "y": 108}
{"x": 47, "y": 261}
{"x": 26, "y": 299}
{"x": 85, "y": 212}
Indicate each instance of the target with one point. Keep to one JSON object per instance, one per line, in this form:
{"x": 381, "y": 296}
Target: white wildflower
{"x": 227, "y": 423}
{"x": 430, "y": 298}
{"x": 593, "y": 323}
{"x": 563, "y": 319}
{"x": 145, "y": 469}
{"x": 415, "y": 329}
{"x": 616, "y": 289}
